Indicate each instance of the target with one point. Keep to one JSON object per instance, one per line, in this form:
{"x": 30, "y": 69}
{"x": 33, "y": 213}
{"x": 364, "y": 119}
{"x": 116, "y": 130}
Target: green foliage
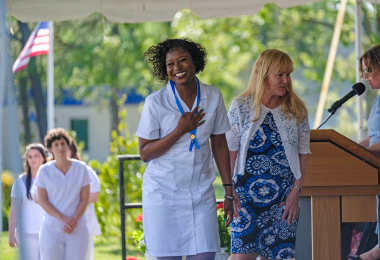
{"x": 108, "y": 206}
{"x": 7, "y": 181}
{"x": 224, "y": 233}
{"x": 138, "y": 238}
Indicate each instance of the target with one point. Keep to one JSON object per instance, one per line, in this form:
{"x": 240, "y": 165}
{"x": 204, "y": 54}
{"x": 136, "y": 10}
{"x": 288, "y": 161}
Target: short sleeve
{"x": 40, "y": 182}
{"x": 86, "y": 179}
{"x": 17, "y": 189}
{"x": 149, "y": 126}
{"x": 304, "y": 136}
{"x": 233, "y": 136}
{"x": 221, "y": 125}
{"x": 95, "y": 182}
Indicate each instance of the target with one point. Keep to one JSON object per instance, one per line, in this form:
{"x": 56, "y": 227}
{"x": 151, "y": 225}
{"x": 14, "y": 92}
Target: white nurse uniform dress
{"x": 179, "y": 207}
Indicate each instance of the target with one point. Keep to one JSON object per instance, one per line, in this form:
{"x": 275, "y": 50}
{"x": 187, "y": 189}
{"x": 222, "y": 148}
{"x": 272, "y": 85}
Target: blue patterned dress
{"x": 266, "y": 183}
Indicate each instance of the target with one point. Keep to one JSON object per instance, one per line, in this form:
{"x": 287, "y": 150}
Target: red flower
{"x": 220, "y": 206}
{"x": 131, "y": 258}
{"x": 138, "y": 219}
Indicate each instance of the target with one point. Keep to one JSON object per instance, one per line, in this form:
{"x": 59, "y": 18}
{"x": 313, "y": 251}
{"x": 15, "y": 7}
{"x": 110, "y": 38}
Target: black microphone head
{"x": 359, "y": 88}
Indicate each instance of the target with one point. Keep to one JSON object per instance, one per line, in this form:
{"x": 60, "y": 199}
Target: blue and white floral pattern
{"x": 267, "y": 181}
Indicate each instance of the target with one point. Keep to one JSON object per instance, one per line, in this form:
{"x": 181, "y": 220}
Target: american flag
{"x": 37, "y": 44}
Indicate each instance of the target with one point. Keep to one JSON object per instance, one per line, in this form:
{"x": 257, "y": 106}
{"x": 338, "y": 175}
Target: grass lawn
{"x": 105, "y": 250}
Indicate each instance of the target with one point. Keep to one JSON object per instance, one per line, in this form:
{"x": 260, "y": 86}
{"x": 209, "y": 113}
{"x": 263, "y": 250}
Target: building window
{"x": 80, "y": 126}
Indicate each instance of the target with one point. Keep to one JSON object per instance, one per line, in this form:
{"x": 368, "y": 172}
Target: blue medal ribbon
{"x": 192, "y": 132}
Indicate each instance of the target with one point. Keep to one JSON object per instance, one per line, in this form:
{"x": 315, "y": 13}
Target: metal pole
{"x": 358, "y": 52}
{"x": 50, "y": 78}
{"x": 3, "y": 78}
{"x": 122, "y": 209}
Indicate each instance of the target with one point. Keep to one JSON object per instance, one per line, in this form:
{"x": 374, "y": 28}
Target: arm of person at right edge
{"x": 12, "y": 223}
{"x": 52, "y": 211}
{"x": 152, "y": 149}
{"x": 375, "y": 148}
{"x": 365, "y": 142}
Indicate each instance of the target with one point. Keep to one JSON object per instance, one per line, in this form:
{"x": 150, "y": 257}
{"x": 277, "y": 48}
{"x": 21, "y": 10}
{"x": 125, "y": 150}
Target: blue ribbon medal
{"x": 192, "y": 132}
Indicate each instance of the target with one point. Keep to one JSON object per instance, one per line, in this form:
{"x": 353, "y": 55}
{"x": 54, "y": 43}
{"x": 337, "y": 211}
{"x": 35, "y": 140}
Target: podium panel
{"x": 329, "y": 165}
{"x": 342, "y": 180}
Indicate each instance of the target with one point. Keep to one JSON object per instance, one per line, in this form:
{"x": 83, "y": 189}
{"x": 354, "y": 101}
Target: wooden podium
{"x": 342, "y": 180}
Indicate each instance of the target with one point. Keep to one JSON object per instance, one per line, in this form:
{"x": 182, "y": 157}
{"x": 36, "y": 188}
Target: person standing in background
{"x": 63, "y": 189}
{"x": 92, "y": 221}
{"x": 25, "y": 236}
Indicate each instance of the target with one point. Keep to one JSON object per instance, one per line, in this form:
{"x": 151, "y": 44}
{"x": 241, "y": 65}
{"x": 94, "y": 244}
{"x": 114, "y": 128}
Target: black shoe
{"x": 354, "y": 257}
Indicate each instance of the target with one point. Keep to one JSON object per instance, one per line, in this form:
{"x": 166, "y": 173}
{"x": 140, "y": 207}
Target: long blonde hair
{"x": 292, "y": 105}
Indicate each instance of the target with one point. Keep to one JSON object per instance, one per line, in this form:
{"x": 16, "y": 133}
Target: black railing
{"x": 123, "y": 205}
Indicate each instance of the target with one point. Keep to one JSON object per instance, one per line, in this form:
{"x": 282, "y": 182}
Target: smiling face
{"x": 276, "y": 82}
{"x": 373, "y": 77}
{"x": 59, "y": 148}
{"x": 35, "y": 159}
{"x": 180, "y": 67}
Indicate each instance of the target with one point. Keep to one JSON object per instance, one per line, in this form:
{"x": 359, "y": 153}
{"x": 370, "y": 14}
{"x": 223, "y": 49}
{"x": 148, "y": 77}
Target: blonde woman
{"x": 269, "y": 146}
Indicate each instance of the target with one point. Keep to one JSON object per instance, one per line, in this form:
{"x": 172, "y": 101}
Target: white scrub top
{"x": 92, "y": 222}
{"x": 32, "y": 213}
{"x": 179, "y": 207}
{"x": 63, "y": 190}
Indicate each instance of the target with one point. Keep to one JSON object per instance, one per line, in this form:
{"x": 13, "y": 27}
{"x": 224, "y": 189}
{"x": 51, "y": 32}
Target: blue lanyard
{"x": 192, "y": 132}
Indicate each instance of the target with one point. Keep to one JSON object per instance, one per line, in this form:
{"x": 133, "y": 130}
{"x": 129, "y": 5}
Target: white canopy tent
{"x": 137, "y": 11}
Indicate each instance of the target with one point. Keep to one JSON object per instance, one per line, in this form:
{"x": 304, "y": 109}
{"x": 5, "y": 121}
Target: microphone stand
{"x": 332, "y": 112}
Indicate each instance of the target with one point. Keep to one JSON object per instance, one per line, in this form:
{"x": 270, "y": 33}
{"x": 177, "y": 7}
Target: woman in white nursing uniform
{"x": 63, "y": 189}
{"x": 92, "y": 222}
{"x": 31, "y": 214}
{"x": 179, "y": 206}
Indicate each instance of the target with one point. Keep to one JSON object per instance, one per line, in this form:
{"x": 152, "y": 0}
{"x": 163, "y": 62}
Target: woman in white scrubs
{"x": 63, "y": 188}
{"x": 179, "y": 206}
{"x": 92, "y": 222}
{"x": 25, "y": 213}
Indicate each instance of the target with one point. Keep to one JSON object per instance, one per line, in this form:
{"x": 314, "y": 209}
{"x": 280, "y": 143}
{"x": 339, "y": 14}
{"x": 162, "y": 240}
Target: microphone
{"x": 357, "y": 89}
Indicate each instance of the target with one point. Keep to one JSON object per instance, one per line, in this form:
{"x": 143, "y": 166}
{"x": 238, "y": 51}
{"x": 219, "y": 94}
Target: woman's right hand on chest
{"x": 189, "y": 121}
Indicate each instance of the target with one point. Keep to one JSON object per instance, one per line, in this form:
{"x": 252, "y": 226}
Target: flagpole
{"x": 50, "y": 78}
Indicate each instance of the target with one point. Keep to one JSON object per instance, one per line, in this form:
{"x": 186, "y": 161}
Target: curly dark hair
{"x": 56, "y": 134}
{"x": 156, "y": 55}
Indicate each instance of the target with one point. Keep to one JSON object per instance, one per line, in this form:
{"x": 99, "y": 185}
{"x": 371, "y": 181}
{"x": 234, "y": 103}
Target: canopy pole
{"x": 50, "y": 78}
{"x": 330, "y": 63}
{"x": 3, "y": 77}
{"x": 358, "y": 51}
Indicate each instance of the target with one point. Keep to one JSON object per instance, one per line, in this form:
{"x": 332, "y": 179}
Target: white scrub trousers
{"x": 61, "y": 246}
{"x": 28, "y": 246}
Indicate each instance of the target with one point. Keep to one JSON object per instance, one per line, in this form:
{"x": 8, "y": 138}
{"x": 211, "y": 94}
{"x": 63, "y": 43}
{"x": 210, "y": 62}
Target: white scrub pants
{"x": 28, "y": 246}
{"x": 90, "y": 249}
{"x": 56, "y": 245}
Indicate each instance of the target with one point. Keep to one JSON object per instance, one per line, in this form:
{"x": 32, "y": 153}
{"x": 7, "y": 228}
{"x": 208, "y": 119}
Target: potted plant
{"x": 224, "y": 234}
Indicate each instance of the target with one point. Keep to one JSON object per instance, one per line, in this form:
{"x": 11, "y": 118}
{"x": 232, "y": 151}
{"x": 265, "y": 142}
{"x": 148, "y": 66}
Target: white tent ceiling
{"x": 135, "y": 11}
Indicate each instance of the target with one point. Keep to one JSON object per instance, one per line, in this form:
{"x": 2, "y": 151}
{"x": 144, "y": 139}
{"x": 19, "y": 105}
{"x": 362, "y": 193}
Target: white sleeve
{"x": 221, "y": 125}
{"x": 39, "y": 182}
{"x": 95, "y": 182}
{"x": 304, "y": 137}
{"x": 86, "y": 178}
{"x": 16, "y": 189}
{"x": 233, "y": 136}
{"x": 149, "y": 126}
